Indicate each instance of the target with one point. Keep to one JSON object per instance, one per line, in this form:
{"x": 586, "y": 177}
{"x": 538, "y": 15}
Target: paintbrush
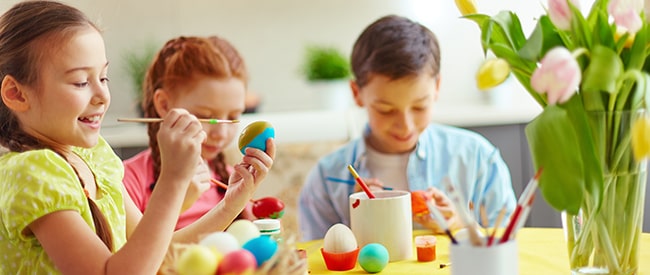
{"x": 457, "y": 200}
{"x": 363, "y": 185}
{"x": 202, "y": 120}
{"x": 440, "y": 219}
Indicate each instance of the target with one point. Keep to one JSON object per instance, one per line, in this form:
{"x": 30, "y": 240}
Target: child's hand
{"x": 199, "y": 184}
{"x": 179, "y": 138}
{"x": 249, "y": 173}
{"x": 454, "y": 223}
{"x": 373, "y": 183}
{"x": 443, "y": 204}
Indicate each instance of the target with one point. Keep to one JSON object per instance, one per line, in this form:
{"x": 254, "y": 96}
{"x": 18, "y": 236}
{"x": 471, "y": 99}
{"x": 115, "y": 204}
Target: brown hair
{"x": 180, "y": 62}
{"x": 27, "y": 31}
{"x": 395, "y": 47}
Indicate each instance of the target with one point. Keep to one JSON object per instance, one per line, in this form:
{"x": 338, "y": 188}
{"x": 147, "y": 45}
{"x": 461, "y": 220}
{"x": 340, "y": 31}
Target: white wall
{"x": 271, "y": 35}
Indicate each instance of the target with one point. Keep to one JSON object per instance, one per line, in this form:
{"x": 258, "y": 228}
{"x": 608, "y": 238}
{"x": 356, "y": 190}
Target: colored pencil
{"x": 524, "y": 199}
{"x": 222, "y": 185}
{"x": 497, "y": 224}
{"x": 524, "y": 214}
{"x": 218, "y": 183}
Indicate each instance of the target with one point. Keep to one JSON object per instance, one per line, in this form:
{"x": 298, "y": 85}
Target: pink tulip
{"x": 626, "y": 13}
{"x": 558, "y": 76}
{"x": 560, "y": 13}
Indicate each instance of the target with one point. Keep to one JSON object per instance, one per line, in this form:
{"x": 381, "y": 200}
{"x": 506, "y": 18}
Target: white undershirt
{"x": 388, "y": 168}
{"x": 391, "y": 170}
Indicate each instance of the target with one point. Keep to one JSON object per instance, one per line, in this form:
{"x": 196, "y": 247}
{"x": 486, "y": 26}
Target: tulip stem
{"x": 580, "y": 51}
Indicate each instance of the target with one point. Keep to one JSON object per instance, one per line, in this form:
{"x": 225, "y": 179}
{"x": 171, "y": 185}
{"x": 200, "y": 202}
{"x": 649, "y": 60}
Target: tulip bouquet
{"x": 590, "y": 75}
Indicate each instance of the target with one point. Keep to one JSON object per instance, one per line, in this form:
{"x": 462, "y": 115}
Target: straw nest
{"x": 286, "y": 261}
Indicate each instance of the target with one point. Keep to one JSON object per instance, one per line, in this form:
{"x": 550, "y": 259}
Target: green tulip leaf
{"x": 603, "y": 71}
{"x": 581, "y": 31}
{"x": 543, "y": 38}
{"x": 509, "y": 22}
{"x": 603, "y": 33}
{"x": 562, "y": 179}
{"x": 503, "y": 28}
{"x": 635, "y": 56}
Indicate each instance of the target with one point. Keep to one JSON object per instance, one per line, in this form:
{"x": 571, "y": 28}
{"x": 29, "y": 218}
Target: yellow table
{"x": 541, "y": 251}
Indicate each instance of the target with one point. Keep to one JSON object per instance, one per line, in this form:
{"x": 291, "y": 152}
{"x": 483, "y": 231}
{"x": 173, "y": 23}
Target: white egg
{"x": 223, "y": 242}
{"x": 339, "y": 239}
{"x": 243, "y": 230}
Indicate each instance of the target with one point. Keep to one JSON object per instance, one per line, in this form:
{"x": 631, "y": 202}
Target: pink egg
{"x": 238, "y": 262}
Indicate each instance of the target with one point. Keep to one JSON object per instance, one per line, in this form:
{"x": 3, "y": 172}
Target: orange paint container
{"x": 426, "y": 248}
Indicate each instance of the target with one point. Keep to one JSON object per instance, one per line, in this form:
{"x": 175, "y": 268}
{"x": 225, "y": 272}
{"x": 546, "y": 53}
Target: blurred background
{"x": 272, "y": 36}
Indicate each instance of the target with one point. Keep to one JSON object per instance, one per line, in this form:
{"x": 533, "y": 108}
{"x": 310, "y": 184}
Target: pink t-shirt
{"x": 138, "y": 177}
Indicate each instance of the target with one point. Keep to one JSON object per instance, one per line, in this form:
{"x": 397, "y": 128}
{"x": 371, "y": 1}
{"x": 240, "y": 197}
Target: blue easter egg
{"x": 262, "y": 247}
{"x": 373, "y": 257}
{"x": 255, "y": 135}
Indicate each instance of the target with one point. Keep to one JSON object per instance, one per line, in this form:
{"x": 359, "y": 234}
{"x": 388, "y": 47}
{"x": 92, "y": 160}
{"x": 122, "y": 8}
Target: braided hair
{"x": 179, "y": 63}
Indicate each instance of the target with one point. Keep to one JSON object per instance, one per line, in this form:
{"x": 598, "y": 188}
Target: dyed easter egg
{"x": 373, "y": 257}
{"x": 243, "y": 230}
{"x": 238, "y": 262}
{"x": 223, "y": 242}
{"x": 255, "y": 135}
{"x": 268, "y": 208}
{"x": 339, "y": 239}
{"x": 419, "y": 202}
{"x": 197, "y": 260}
{"x": 262, "y": 247}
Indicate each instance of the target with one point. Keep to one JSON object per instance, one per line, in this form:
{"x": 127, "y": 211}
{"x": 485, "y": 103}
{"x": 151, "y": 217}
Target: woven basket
{"x": 286, "y": 261}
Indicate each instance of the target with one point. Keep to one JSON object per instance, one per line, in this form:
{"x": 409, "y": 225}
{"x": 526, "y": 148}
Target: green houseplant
{"x": 325, "y": 63}
{"x": 327, "y": 72}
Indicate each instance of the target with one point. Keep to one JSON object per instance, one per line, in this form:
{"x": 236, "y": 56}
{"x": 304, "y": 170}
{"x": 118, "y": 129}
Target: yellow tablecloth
{"x": 541, "y": 251}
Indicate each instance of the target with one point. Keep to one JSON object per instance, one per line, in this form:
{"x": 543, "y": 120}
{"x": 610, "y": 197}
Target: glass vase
{"x": 603, "y": 238}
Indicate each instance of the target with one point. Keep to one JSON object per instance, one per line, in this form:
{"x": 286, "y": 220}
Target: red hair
{"x": 180, "y": 62}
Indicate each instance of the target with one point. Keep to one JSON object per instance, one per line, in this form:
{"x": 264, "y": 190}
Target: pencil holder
{"x": 497, "y": 259}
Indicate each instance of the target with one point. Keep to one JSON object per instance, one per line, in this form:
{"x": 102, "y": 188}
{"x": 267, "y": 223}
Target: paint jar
{"x": 270, "y": 228}
{"x": 498, "y": 258}
{"x": 426, "y": 248}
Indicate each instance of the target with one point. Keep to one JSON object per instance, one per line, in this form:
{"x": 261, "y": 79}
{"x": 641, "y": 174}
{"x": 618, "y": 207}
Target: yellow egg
{"x": 339, "y": 239}
{"x": 197, "y": 260}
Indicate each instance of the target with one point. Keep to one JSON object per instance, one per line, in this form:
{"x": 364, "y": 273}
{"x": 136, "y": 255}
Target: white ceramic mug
{"x": 497, "y": 259}
{"x": 386, "y": 219}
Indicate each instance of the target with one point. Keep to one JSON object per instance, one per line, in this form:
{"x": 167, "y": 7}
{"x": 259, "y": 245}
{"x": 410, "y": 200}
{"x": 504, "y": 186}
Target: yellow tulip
{"x": 466, "y": 6}
{"x": 641, "y": 138}
{"x": 492, "y": 73}
{"x": 630, "y": 38}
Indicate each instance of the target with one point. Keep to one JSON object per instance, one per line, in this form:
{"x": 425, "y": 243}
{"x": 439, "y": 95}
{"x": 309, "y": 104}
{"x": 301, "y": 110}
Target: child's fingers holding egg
{"x": 257, "y": 144}
{"x": 270, "y": 147}
{"x": 256, "y": 135}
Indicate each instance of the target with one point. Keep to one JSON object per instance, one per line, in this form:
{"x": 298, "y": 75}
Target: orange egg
{"x": 419, "y": 202}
